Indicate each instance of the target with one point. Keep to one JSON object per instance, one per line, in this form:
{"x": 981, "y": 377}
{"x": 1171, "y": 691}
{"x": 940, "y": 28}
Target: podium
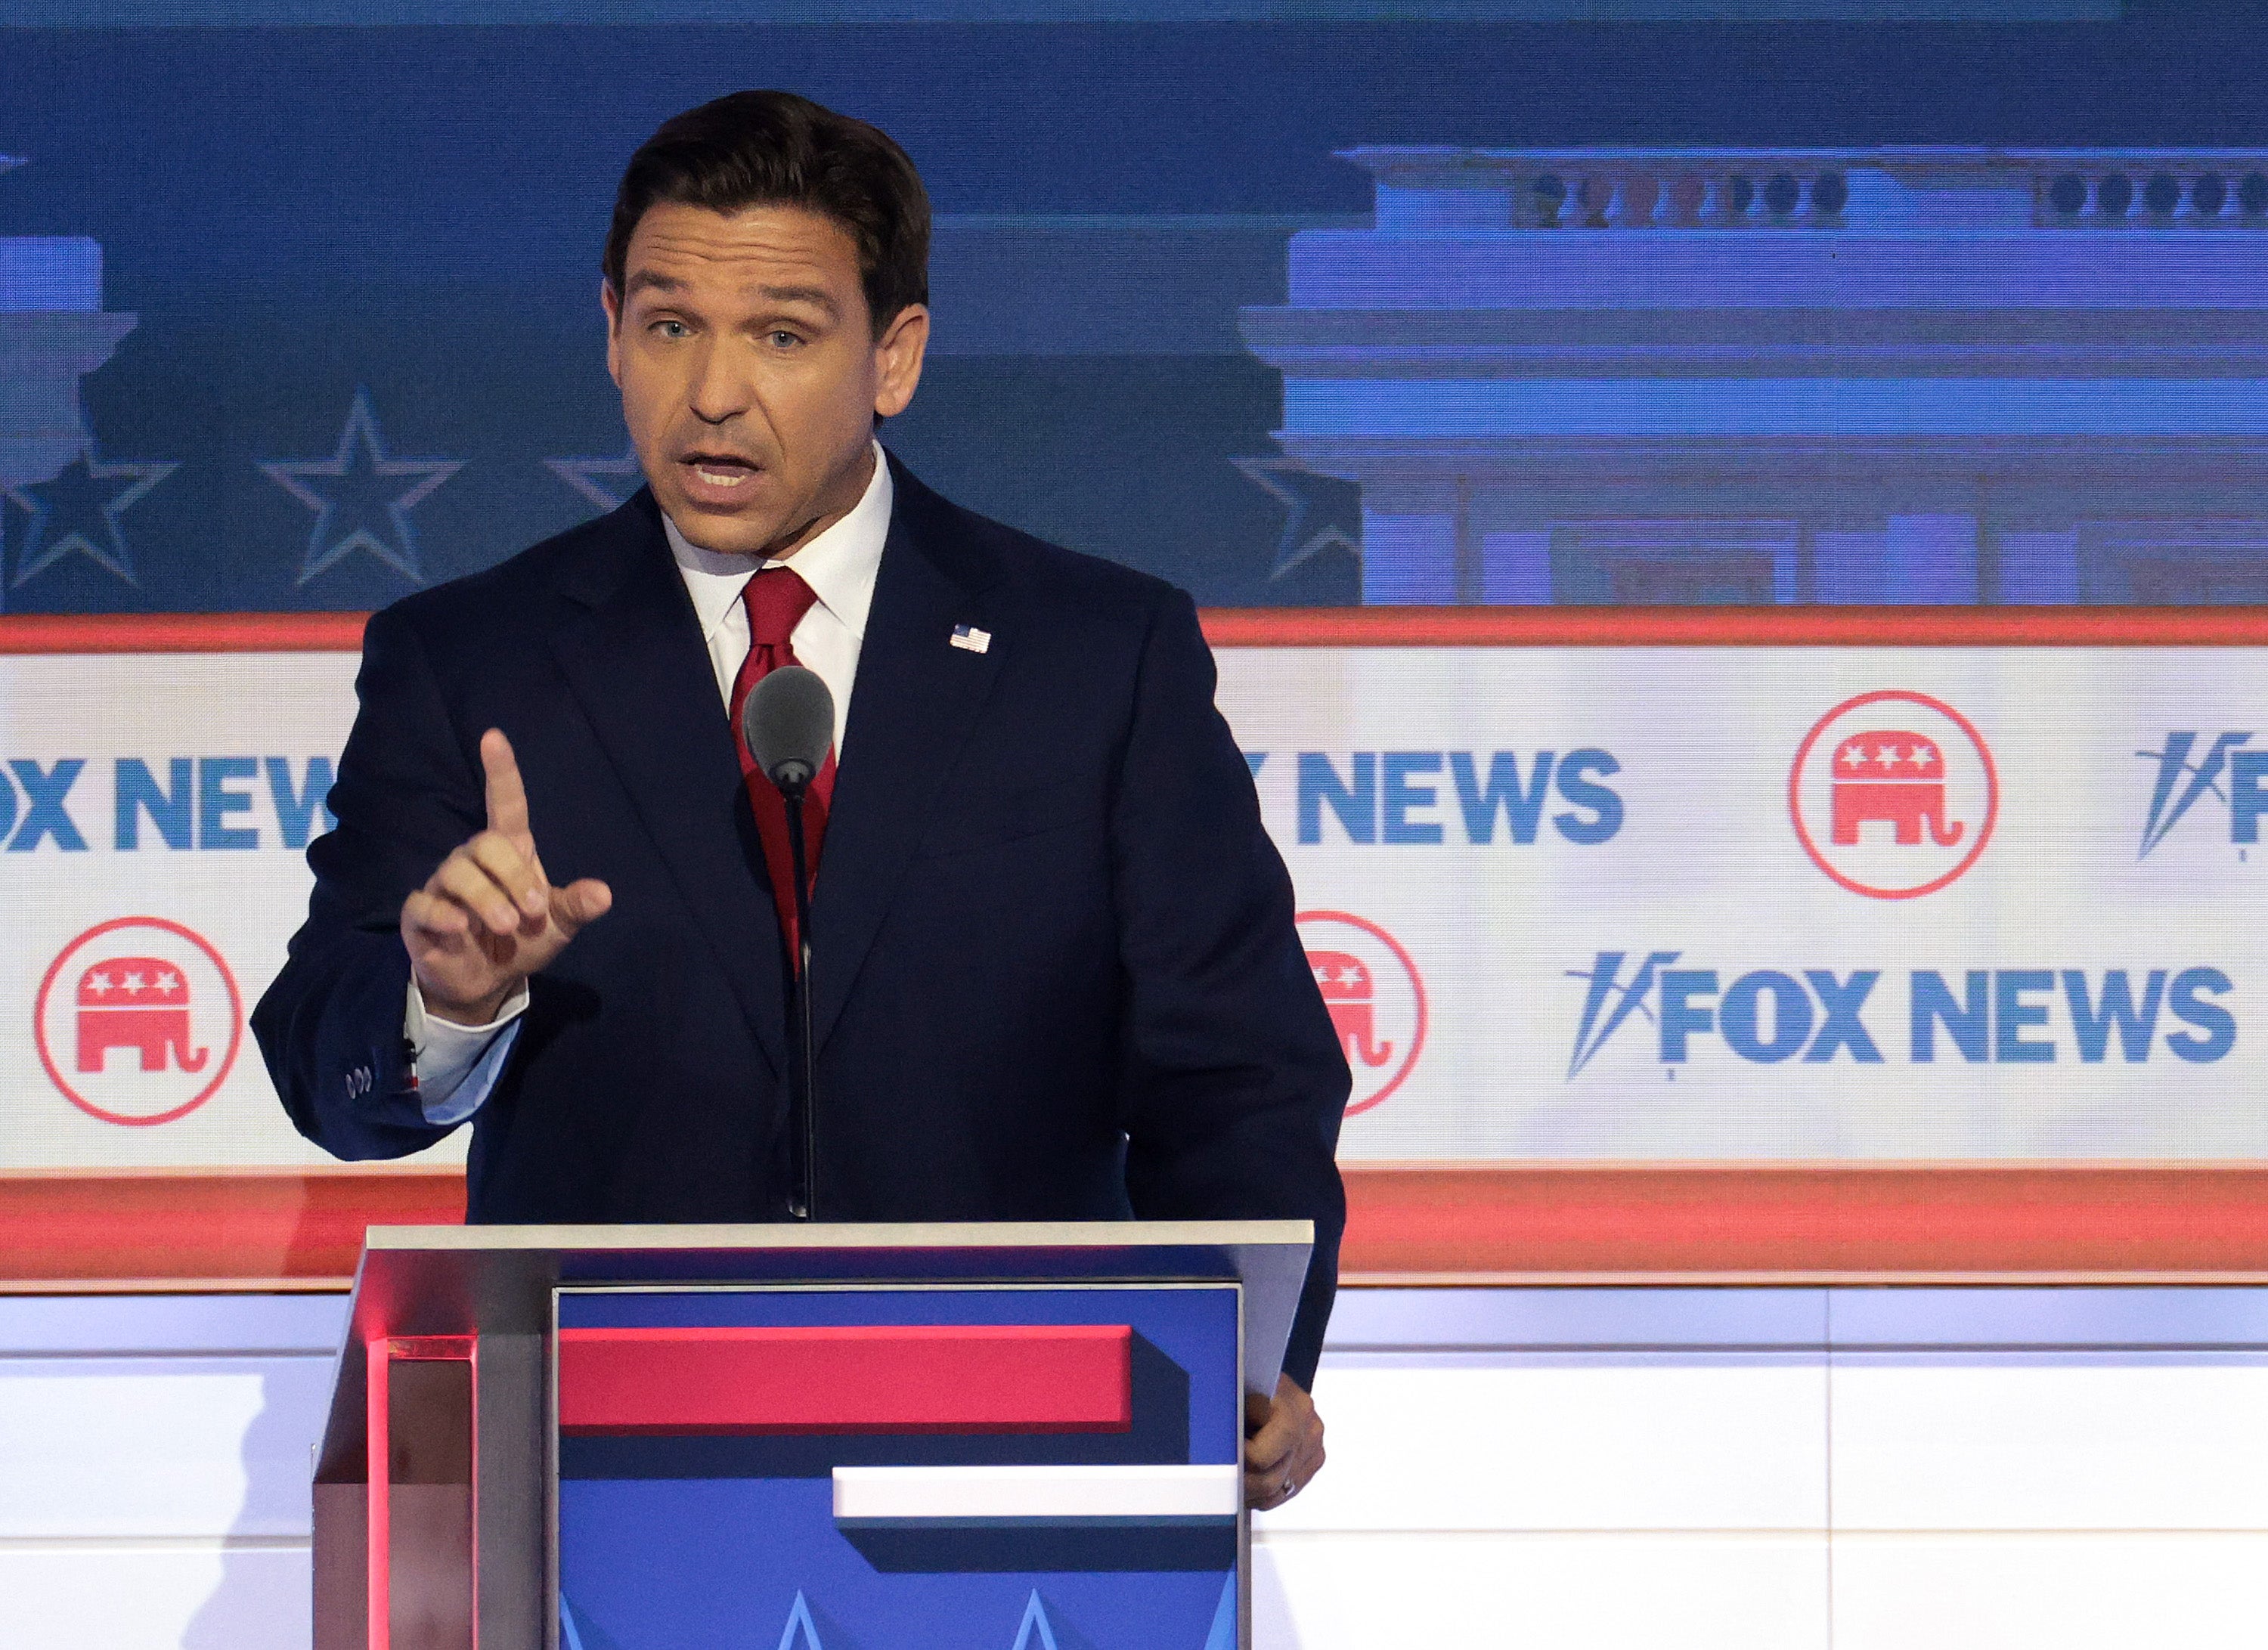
{"x": 813, "y": 1437}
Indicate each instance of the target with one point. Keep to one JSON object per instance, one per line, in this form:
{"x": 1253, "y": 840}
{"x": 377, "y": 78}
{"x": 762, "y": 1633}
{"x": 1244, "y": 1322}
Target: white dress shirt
{"x": 457, "y": 1066}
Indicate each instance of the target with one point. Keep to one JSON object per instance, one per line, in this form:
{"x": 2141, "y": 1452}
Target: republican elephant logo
{"x": 138, "y": 1020}
{"x": 1896, "y": 777}
{"x": 1894, "y": 793}
{"x": 1351, "y": 996}
{"x": 137, "y": 1003}
{"x": 1374, "y": 996}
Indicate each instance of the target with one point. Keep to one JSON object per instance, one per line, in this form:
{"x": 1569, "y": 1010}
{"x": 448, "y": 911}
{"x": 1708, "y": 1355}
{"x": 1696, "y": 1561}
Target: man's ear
{"x": 898, "y": 357}
{"x": 613, "y": 306}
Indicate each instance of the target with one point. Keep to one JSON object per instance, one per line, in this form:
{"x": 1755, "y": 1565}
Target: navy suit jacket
{"x": 1054, "y": 971}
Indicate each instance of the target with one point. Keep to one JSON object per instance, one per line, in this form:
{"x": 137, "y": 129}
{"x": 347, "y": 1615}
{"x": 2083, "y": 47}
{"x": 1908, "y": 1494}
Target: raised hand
{"x": 488, "y": 917}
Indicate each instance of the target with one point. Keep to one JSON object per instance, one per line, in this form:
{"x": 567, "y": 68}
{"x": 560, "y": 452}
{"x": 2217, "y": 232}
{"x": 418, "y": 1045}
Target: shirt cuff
{"x": 445, "y": 1054}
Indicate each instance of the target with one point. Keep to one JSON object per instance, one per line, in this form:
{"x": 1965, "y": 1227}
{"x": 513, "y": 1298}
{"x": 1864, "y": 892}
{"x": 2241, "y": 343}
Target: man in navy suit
{"x": 1054, "y": 974}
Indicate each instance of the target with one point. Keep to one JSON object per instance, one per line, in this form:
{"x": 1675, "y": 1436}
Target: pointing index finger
{"x": 507, "y": 796}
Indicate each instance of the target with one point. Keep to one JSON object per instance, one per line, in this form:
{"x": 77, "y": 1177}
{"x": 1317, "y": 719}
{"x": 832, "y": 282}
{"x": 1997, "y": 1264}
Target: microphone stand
{"x": 802, "y": 1121}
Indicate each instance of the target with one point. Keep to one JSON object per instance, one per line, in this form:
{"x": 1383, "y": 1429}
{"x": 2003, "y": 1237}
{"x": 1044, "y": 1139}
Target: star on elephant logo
{"x": 138, "y": 1020}
{"x": 1375, "y": 998}
{"x": 1893, "y": 794}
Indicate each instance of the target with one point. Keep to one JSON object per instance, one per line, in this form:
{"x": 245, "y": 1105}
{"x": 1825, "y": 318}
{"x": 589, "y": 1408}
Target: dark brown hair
{"x": 774, "y": 148}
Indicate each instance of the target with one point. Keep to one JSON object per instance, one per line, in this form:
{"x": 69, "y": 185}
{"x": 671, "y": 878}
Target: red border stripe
{"x": 182, "y": 633}
{"x": 203, "y": 1229}
{"x": 1451, "y": 1222}
{"x": 1339, "y": 627}
{"x": 1926, "y": 1220}
{"x": 1737, "y": 626}
{"x": 910, "y": 1377}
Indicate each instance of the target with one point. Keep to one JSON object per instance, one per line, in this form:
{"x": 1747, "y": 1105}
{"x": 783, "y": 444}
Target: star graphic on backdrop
{"x": 1316, "y": 508}
{"x": 76, "y": 513}
{"x": 366, "y": 504}
{"x": 605, "y": 482}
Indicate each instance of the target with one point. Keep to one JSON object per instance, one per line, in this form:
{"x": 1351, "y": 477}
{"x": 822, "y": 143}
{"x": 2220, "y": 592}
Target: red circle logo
{"x": 138, "y": 1022}
{"x": 1376, "y": 1000}
{"x": 1893, "y": 794}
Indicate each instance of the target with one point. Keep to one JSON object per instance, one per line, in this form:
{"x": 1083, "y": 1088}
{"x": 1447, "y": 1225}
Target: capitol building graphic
{"x": 1599, "y": 375}
{"x": 1852, "y": 375}
{"x": 54, "y": 331}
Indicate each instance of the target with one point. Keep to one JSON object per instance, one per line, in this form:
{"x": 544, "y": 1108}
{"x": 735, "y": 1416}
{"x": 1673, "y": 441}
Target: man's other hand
{"x": 489, "y": 917}
{"x": 1283, "y": 1445}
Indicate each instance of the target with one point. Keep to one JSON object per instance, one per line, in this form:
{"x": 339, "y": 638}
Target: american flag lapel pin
{"x": 969, "y": 637}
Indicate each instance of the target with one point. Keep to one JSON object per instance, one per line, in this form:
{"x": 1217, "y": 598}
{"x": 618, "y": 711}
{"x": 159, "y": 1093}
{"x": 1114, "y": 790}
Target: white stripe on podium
{"x": 1041, "y": 1494}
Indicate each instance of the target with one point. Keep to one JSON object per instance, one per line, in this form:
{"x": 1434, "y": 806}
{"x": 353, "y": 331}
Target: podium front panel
{"x": 824, "y": 1468}
{"x": 1058, "y": 1424}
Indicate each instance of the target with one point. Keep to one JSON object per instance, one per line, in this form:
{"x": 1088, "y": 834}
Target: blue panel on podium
{"x": 856, "y": 1535}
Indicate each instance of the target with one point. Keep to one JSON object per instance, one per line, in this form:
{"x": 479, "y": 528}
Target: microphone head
{"x": 789, "y": 722}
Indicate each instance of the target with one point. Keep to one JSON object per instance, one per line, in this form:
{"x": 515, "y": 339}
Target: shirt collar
{"x": 839, "y": 565}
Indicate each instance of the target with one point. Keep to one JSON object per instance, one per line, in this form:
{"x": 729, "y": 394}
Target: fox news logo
{"x": 188, "y": 804}
{"x": 1995, "y": 1016}
{"x": 1425, "y": 798}
{"x": 2234, "y": 776}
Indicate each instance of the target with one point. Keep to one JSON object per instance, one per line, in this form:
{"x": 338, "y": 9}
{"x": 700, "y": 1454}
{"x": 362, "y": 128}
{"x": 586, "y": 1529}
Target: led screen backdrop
{"x": 157, "y": 874}
{"x": 1501, "y": 301}
{"x": 1793, "y": 904}
{"x": 1670, "y": 904}
{"x": 1492, "y": 303}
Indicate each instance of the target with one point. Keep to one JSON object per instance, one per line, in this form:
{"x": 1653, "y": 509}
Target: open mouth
{"x": 719, "y": 469}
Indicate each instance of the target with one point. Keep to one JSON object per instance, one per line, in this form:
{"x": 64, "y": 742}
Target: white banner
{"x": 1777, "y": 903}
{"x": 156, "y": 810}
{"x": 1563, "y": 902}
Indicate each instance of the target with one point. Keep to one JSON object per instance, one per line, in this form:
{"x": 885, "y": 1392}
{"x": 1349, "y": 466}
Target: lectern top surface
{"x": 443, "y": 1280}
{"x": 496, "y": 1281}
{"x": 1071, "y": 1235}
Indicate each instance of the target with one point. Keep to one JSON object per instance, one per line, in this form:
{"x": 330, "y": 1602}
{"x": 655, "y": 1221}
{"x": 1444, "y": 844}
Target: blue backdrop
{"x": 363, "y": 257}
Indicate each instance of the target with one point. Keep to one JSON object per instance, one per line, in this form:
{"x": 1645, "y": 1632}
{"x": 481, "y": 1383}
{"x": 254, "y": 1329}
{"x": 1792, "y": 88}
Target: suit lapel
{"x": 632, "y": 653}
{"x": 912, "y": 705}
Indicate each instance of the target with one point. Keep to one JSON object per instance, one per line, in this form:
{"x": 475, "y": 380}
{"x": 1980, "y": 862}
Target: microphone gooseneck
{"x": 788, "y": 722}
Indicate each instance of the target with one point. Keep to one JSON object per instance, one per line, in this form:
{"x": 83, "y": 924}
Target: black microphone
{"x": 788, "y": 721}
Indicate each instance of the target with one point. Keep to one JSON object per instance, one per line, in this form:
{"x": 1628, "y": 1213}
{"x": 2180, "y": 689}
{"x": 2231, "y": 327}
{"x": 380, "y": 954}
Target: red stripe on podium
{"x": 921, "y": 1378}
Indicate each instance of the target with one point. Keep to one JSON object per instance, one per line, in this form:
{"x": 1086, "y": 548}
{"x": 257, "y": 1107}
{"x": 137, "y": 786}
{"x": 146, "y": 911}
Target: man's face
{"x": 750, "y": 373}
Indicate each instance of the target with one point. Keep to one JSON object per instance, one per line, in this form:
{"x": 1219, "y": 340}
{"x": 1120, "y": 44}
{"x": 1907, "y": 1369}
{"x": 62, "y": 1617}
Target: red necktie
{"x": 776, "y": 598}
